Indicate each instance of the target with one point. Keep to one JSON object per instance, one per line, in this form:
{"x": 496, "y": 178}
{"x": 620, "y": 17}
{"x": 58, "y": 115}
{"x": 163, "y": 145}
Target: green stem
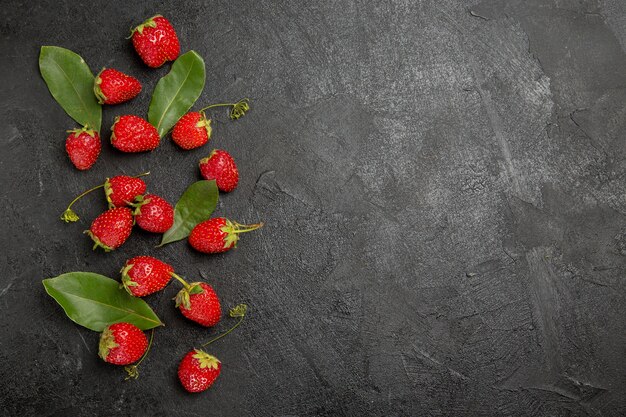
{"x": 246, "y": 227}
{"x": 132, "y": 369}
{"x": 216, "y": 105}
{"x": 148, "y": 349}
{"x": 99, "y": 186}
{"x": 84, "y": 194}
{"x": 182, "y": 281}
{"x": 225, "y": 333}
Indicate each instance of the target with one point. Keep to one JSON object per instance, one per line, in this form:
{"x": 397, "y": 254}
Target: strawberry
{"x": 113, "y": 87}
{"x": 218, "y": 234}
{"x": 119, "y": 190}
{"x": 122, "y": 190}
{"x": 110, "y": 229}
{"x": 155, "y": 41}
{"x": 220, "y": 166}
{"x": 134, "y": 134}
{"x": 192, "y": 130}
{"x": 154, "y": 214}
{"x": 198, "y": 370}
{"x": 198, "y": 302}
{"x": 144, "y": 275}
{"x": 83, "y": 147}
{"x": 122, "y": 344}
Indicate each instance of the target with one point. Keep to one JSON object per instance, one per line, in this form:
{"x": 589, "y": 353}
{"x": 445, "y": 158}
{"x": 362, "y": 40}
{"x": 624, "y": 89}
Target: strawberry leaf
{"x": 175, "y": 93}
{"x": 70, "y": 82}
{"x": 195, "y": 206}
{"x": 95, "y": 301}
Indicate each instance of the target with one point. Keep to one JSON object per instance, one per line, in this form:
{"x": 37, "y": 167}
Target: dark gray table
{"x": 443, "y": 186}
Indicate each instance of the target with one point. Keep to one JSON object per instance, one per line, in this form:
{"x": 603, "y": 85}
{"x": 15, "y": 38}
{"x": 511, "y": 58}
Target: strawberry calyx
{"x": 85, "y": 129}
{"x": 232, "y": 230}
{"x": 140, "y": 200}
{"x": 127, "y": 281}
{"x": 97, "y": 242}
{"x": 107, "y": 342}
{"x": 96, "y": 88}
{"x": 108, "y": 191}
{"x": 208, "y": 158}
{"x": 113, "y": 137}
{"x": 148, "y": 23}
{"x": 183, "y": 296}
{"x": 205, "y": 360}
{"x": 206, "y": 123}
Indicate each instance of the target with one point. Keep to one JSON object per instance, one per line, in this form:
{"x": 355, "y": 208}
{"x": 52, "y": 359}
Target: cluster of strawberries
{"x": 156, "y": 42}
{"x": 129, "y": 204}
{"x": 124, "y": 343}
{"x": 151, "y": 212}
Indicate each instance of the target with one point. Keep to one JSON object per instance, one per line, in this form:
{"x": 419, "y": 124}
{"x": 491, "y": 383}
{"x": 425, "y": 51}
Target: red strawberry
{"x": 110, "y": 229}
{"x": 122, "y": 190}
{"x": 122, "y": 344}
{"x": 154, "y": 214}
{"x": 113, "y": 87}
{"x": 220, "y": 166}
{"x": 134, "y": 134}
{"x": 155, "y": 41}
{"x": 198, "y": 370}
{"x": 83, "y": 147}
{"x": 198, "y": 302}
{"x": 144, "y": 275}
{"x": 192, "y": 130}
{"x": 218, "y": 234}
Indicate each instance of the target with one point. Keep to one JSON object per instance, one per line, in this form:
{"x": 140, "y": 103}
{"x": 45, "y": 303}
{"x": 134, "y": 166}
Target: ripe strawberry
{"x": 192, "y": 130}
{"x": 220, "y": 166}
{"x": 113, "y": 87}
{"x": 198, "y": 370}
{"x": 155, "y": 41}
{"x": 122, "y": 344}
{"x": 110, "y": 229}
{"x": 218, "y": 234}
{"x": 154, "y": 214}
{"x": 83, "y": 147}
{"x": 198, "y": 302}
{"x": 144, "y": 275}
{"x": 134, "y": 134}
{"x": 122, "y": 190}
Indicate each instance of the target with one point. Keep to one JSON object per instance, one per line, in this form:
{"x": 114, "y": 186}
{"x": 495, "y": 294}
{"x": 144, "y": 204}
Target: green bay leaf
{"x": 176, "y": 92}
{"x": 70, "y": 82}
{"x": 95, "y": 301}
{"x": 195, "y": 206}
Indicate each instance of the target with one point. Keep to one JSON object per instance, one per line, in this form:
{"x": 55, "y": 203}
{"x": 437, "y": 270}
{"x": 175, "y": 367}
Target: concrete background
{"x": 443, "y": 185}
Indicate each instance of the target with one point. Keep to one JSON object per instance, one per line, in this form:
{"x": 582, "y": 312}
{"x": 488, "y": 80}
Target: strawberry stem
{"x": 70, "y": 215}
{"x": 243, "y": 228}
{"x": 181, "y": 280}
{"x": 238, "y": 110}
{"x": 132, "y": 370}
{"x": 237, "y": 311}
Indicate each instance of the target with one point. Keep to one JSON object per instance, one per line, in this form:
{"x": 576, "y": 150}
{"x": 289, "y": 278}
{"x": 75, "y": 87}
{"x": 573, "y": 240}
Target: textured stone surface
{"x": 444, "y": 189}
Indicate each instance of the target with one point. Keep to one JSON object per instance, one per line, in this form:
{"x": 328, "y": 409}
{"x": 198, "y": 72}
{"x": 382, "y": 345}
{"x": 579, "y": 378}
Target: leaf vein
{"x": 158, "y": 126}
{"x": 131, "y": 312}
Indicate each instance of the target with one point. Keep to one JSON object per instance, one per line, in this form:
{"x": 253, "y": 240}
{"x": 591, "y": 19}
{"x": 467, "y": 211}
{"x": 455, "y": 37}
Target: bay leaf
{"x": 95, "y": 301}
{"x": 176, "y": 92}
{"x": 70, "y": 82}
{"x": 195, "y": 206}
